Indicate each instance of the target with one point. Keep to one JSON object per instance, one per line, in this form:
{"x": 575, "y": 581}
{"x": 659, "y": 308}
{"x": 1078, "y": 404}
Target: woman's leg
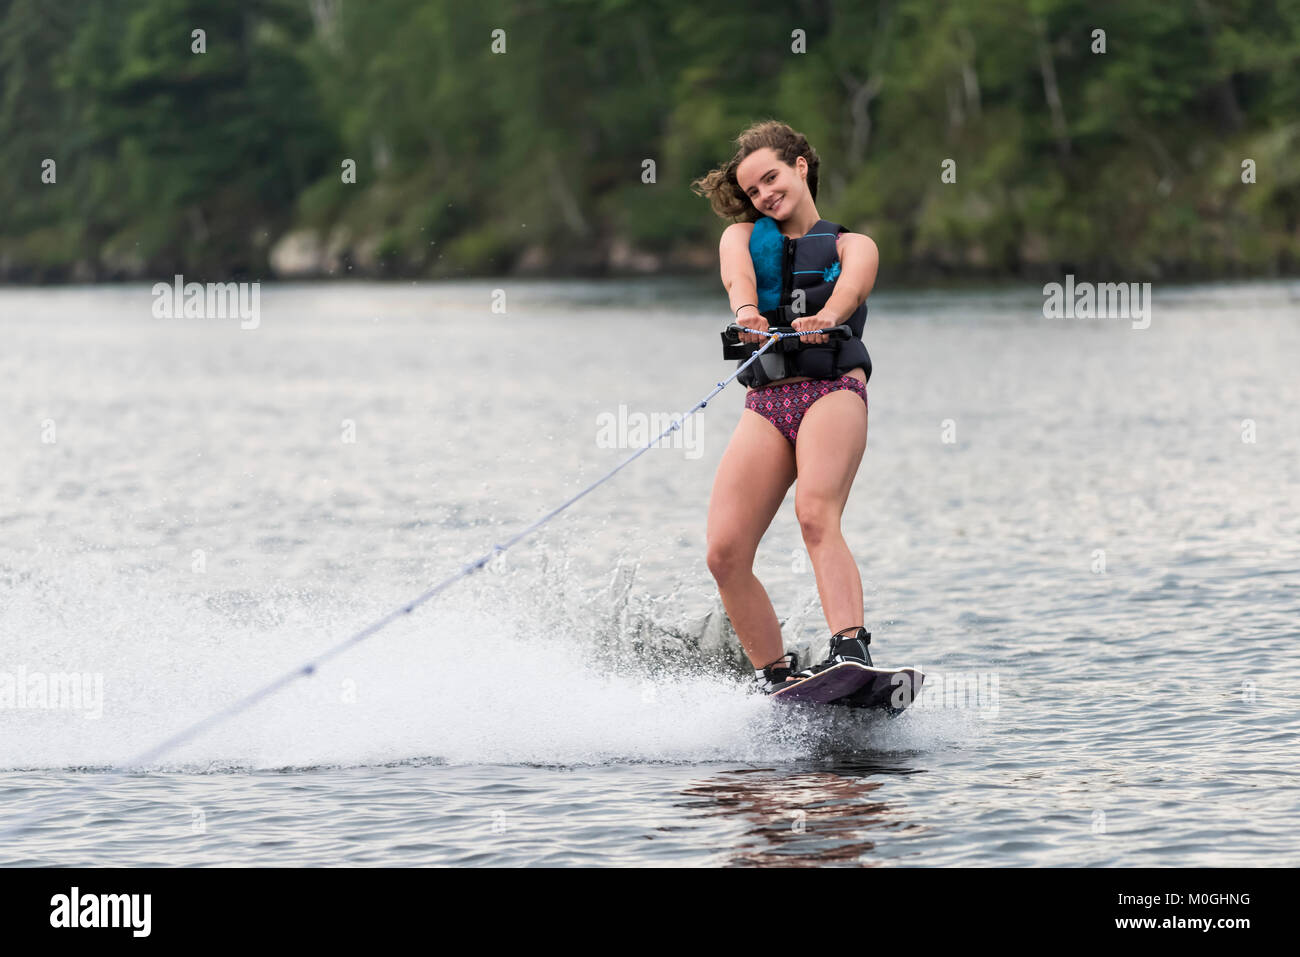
{"x": 755, "y": 473}
{"x": 831, "y": 440}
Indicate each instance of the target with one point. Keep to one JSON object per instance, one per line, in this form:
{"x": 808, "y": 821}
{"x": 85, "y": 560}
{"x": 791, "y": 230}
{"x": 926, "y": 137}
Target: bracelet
{"x": 738, "y": 308}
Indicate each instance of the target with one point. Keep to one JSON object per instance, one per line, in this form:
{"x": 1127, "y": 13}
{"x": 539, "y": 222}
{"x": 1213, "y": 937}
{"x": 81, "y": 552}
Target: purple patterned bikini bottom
{"x": 785, "y": 405}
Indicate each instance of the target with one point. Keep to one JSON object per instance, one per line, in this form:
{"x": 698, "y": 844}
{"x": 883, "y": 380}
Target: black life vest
{"x": 795, "y": 278}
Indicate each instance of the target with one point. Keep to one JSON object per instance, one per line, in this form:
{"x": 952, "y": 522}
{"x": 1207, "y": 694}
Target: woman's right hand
{"x": 751, "y": 318}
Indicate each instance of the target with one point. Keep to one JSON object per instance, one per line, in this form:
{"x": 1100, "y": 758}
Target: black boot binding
{"x": 772, "y": 676}
{"x": 847, "y": 647}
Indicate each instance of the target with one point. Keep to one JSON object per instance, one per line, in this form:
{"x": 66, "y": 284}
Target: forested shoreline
{"x": 394, "y": 138}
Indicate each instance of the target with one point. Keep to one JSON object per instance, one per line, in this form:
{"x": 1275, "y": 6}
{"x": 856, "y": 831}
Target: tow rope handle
{"x": 787, "y": 338}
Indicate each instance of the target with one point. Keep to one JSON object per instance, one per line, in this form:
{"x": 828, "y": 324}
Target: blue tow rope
{"x": 308, "y": 668}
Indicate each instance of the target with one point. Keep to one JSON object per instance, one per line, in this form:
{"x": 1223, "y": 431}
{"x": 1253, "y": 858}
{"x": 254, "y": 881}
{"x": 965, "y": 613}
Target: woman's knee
{"x": 727, "y": 559}
{"x": 818, "y": 516}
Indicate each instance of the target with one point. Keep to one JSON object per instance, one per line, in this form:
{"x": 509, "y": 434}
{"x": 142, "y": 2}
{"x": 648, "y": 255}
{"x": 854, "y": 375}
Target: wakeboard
{"x": 856, "y": 686}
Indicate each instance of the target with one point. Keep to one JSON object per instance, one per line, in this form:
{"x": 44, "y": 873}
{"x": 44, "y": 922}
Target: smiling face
{"x": 774, "y": 188}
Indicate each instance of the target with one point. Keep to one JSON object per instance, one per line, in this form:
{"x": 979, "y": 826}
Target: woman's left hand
{"x": 815, "y": 321}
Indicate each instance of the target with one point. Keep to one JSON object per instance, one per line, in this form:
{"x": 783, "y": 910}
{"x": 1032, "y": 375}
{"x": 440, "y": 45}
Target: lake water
{"x": 1086, "y": 534}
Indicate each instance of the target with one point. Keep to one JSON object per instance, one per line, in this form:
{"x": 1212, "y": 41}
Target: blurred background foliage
{"x": 474, "y": 162}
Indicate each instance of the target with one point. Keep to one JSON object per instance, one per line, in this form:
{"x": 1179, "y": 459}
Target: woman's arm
{"x": 859, "y": 260}
{"x": 739, "y": 280}
{"x": 738, "y": 277}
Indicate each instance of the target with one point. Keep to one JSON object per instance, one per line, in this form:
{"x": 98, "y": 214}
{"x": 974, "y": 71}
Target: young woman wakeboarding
{"x": 805, "y": 413}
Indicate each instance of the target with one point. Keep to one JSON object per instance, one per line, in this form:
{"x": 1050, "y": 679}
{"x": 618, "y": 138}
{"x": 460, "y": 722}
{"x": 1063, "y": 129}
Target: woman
{"x": 806, "y": 410}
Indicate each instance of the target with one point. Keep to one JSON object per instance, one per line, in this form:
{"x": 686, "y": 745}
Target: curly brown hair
{"x": 720, "y": 185}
